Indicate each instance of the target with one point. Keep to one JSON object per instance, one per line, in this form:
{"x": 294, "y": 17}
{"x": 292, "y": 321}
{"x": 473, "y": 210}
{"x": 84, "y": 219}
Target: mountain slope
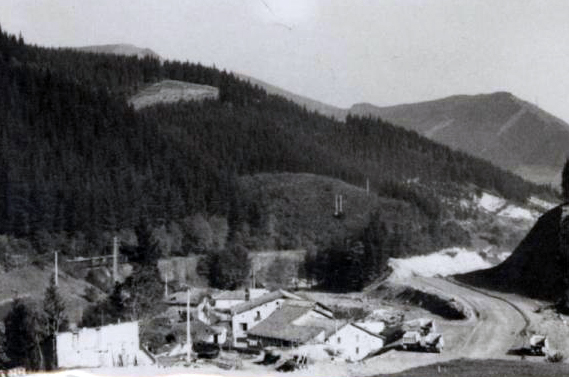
{"x": 75, "y": 156}
{"x": 499, "y": 127}
{"x": 120, "y": 49}
{"x": 309, "y": 103}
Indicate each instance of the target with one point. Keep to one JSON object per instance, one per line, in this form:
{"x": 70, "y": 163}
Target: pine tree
{"x": 20, "y": 337}
{"x": 565, "y": 181}
{"x": 115, "y": 303}
{"x": 55, "y": 320}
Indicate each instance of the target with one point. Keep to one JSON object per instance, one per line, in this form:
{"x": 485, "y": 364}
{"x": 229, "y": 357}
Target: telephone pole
{"x": 188, "y": 333}
{"x": 115, "y": 259}
{"x": 56, "y": 270}
{"x": 166, "y": 285}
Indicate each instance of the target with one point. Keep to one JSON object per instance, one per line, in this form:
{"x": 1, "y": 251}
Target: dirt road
{"x": 497, "y": 322}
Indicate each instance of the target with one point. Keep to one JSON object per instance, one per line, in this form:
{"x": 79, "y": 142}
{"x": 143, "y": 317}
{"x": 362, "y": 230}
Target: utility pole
{"x": 166, "y": 285}
{"x": 335, "y": 205}
{"x": 56, "y": 270}
{"x": 367, "y": 186}
{"x": 253, "y": 283}
{"x": 341, "y": 211}
{"x": 188, "y": 333}
{"x": 115, "y": 259}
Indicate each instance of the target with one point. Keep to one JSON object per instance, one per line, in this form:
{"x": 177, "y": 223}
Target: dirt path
{"x": 497, "y": 321}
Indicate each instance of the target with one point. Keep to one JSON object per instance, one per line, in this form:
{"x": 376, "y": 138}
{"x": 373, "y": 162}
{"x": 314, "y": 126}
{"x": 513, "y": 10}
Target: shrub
{"x": 554, "y": 357}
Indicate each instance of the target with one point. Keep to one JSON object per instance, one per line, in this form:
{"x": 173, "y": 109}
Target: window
{"x": 339, "y": 340}
{"x": 357, "y": 350}
{"x": 244, "y": 326}
{"x": 258, "y": 316}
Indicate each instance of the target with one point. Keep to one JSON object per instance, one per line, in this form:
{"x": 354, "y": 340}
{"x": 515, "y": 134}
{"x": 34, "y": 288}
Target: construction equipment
{"x": 414, "y": 341}
{"x": 538, "y": 345}
{"x": 420, "y": 336}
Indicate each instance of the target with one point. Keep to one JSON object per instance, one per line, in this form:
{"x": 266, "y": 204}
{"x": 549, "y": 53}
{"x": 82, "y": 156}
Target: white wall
{"x": 354, "y": 344}
{"x": 104, "y": 346}
{"x": 251, "y": 319}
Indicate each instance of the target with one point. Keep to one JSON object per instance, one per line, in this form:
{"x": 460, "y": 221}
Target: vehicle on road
{"x": 538, "y": 345}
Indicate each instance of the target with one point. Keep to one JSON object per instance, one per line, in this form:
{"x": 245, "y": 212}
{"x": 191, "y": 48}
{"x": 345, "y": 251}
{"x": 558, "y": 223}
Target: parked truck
{"x": 538, "y": 345}
{"x": 421, "y": 336}
{"x": 414, "y": 341}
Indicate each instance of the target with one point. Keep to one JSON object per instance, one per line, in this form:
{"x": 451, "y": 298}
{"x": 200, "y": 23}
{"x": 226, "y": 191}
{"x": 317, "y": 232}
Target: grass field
{"x": 485, "y": 368}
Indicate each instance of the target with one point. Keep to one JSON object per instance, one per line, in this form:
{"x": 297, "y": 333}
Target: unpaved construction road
{"x": 496, "y": 321}
{"x": 492, "y": 329}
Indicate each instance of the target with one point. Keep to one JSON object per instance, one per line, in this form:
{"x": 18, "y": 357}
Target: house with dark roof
{"x": 248, "y": 314}
{"x": 200, "y": 307}
{"x": 294, "y": 323}
{"x": 228, "y": 299}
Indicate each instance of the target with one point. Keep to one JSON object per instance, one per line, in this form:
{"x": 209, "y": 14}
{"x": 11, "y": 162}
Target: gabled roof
{"x": 180, "y": 298}
{"x": 248, "y": 305}
{"x": 372, "y": 327}
{"x": 231, "y": 295}
{"x": 357, "y": 326}
{"x": 279, "y": 325}
{"x": 199, "y": 330}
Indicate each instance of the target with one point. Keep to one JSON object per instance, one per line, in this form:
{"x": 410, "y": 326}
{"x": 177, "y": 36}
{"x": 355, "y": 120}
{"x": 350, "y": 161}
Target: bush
{"x": 554, "y": 357}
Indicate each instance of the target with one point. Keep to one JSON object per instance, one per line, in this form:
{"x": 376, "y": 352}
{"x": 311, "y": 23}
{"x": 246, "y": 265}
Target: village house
{"x": 354, "y": 341}
{"x": 201, "y": 332}
{"x": 200, "y": 306}
{"x": 293, "y": 324}
{"x": 248, "y": 314}
{"x": 105, "y": 346}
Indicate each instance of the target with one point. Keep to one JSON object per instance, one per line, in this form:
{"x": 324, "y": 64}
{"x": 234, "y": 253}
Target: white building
{"x": 111, "y": 345}
{"x": 295, "y": 323}
{"x": 248, "y": 314}
{"x": 353, "y": 342}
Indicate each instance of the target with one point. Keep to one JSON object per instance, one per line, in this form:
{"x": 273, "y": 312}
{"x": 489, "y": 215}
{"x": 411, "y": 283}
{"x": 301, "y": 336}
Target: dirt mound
{"x": 446, "y": 307}
{"x": 536, "y": 268}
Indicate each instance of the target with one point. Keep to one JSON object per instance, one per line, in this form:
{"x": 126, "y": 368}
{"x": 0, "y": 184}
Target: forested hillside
{"x": 76, "y": 157}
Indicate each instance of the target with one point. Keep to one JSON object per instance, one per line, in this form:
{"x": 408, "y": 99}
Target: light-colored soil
{"x": 170, "y": 91}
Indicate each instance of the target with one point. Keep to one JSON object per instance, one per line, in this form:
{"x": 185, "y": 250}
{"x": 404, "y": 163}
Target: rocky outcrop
{"x": 539, "y": 266}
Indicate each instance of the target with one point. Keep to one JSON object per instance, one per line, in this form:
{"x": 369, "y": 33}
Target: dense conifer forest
{"x": 76, "y": 157}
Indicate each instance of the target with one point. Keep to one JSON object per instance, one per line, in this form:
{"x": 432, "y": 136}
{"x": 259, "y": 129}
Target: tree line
{"x": 75, "y": 156}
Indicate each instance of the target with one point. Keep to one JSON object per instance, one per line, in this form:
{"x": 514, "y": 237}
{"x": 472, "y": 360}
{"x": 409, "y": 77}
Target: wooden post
{"x": 188, "y": 333}
{"x": 335, "y": 205}
{"x": 56, "y": 274}
{"x": 166, "y": 285}
{"x": 115, "y": 259}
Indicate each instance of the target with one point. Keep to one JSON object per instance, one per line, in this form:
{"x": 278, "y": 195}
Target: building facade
{"x": 105, "y": 346}
{"x": 352, "y": 342}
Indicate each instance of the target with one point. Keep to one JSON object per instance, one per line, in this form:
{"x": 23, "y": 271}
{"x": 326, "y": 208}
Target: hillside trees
{"x": 565, "y": 181}
{"x": 75, "y": 158}
{"x": 227, "y": 269}
{"x": 55, "y": 321}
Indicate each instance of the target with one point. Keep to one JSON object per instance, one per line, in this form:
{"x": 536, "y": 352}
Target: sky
{"x": 383, "y": 52}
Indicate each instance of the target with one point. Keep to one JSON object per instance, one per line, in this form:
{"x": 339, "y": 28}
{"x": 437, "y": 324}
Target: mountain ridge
{"x": 500, "y": 127}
